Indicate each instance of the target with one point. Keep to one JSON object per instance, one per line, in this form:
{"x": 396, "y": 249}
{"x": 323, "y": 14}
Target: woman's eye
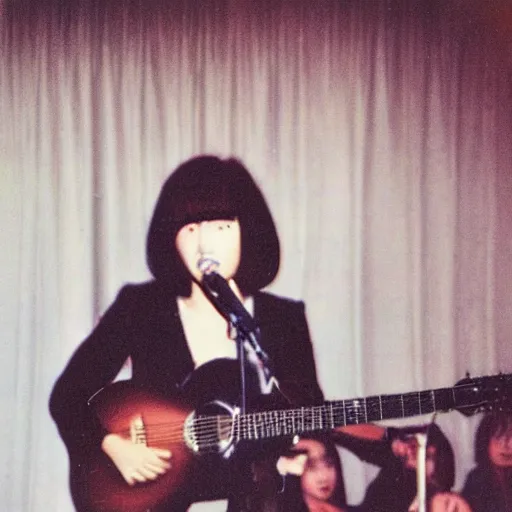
{"x": 222, "y": 225}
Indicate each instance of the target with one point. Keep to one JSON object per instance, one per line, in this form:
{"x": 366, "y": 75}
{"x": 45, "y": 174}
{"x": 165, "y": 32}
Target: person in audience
{"x": 314, "y": 478}
{"x": 488, "y": 486}
{"x": 394, "y": 489}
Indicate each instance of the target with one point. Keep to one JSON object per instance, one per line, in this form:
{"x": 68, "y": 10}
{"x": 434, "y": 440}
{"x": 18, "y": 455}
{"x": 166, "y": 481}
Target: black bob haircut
{"x": 204, "y": 188}
{"x": 494, "y": 424}
{"x": 293, "y": 495}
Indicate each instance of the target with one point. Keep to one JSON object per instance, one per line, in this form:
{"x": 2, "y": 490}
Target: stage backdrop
{"x": 379, "y": 131}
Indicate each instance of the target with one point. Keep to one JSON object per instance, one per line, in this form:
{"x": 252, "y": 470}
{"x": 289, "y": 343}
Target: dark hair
{"x": 444, "y": 473}
{"x": 294, "y": 499}
{"x": 207, "y": 187}
{"x": 491, "y": 425}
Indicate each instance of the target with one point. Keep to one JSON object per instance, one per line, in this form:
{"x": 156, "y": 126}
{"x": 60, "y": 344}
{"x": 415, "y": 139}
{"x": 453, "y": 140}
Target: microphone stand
{"x": 242, "y": 325}
{"x": 242, "y": 328}
{"x": 421, "y": 472}
{"x": 240, "y": 338}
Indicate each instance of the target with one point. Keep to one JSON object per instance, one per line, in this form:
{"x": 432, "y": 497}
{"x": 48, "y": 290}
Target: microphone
{"x": 224, "y": 297}
{"x": 229, "y": 304}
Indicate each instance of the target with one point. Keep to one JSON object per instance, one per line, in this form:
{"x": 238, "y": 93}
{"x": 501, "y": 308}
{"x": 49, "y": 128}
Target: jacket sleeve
{"x": 305, "y": 360}
{"x": 94, "y": 365}
{"x": 293, "y": 352}
{"x": 377, "y": 452}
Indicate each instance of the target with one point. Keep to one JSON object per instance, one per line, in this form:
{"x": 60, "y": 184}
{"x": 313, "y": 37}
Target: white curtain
{"x": 379, "y": 132}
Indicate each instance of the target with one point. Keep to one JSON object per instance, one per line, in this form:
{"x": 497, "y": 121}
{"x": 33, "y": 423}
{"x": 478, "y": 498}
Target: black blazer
{"x": 143, "y": 323}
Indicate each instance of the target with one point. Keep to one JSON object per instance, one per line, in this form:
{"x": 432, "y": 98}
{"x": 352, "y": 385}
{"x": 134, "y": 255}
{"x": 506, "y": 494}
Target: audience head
{"x": 493, "y": 440}
{"x": 440, "y": 459}
{"x": 322, "y": 472}
{"x": 322, "y": 478}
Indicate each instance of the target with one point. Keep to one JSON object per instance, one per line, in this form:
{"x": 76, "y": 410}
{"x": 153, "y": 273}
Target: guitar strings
{"x": 209, "y": 430}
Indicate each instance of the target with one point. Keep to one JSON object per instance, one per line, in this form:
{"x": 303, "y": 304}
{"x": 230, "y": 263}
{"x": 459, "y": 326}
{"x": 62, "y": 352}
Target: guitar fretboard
{"x": 332, "y": 414}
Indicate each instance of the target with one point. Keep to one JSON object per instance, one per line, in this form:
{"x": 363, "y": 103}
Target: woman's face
{"x": 318, "y": 481}
{"x": 411, "y": 457}
{"x": 500, "y": 449}
{"x": 218, "y": 239}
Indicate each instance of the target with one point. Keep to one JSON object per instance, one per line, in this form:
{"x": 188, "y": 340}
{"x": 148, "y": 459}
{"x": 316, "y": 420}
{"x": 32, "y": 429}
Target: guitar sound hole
{"x": 210, "y": 429}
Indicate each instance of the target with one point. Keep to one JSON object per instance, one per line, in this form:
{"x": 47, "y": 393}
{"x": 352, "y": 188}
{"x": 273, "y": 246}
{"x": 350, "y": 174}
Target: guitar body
{"x": 202, "y": 441}
{"x": 204, "y": 463}
{"x": 97, "y": 485}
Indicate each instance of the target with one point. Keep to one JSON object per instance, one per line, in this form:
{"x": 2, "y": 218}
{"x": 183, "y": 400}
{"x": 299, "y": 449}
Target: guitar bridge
{"x": 138, "y": 431}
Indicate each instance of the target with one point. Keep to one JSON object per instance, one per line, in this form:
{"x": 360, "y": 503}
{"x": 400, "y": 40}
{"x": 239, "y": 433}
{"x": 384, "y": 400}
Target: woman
{"x": 488, "y": 486}
{"x": 394, "y": 489}
{"x": 318, "y": 486}
{"x": 210, "y": 213}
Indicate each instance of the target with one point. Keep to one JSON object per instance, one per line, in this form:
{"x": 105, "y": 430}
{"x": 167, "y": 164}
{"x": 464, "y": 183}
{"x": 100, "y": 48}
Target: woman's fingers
{"x": 293, "y": 465}
{"x": 154, "y": 464}
{"x": 136, "y": 462}
{"x": 162, "y": 453}
{"x": 157, "y": 469}
{"x": 137, "y": 476}
{"x": 148, "y": 473}
{"x": 143, "y": 474}
{"x": 449, "y": 502}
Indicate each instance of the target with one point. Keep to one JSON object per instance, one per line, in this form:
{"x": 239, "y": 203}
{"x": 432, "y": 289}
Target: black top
{"x": 484, "y": 491}
{"x": 394, "y": 488}
{"x": 143, "y": 323}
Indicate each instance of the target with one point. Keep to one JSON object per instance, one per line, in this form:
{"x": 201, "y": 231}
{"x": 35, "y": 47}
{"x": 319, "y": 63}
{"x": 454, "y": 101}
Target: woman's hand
{"x": 136, "y": 462}
{"x": 294, "y": 461}
{"x": 449, "y": 502}
{"x": 292, "y": 464}
{"x": 444, "y": 502}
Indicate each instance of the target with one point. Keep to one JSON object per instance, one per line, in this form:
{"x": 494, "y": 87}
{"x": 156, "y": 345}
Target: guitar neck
{"x": 332, "y": 414}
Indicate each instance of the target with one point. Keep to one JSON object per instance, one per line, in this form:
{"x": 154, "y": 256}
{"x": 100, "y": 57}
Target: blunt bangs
{"x": 204, "y": 194}
{"x": 493, "y": 424}
{"x": 207, "y": 188}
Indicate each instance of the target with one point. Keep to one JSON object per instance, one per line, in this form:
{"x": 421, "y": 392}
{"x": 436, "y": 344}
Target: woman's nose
{"x": 205, "y": 237}
{"x": 322, "y": 474}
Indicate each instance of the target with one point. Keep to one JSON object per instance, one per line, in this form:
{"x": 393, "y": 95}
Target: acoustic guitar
{"x": 217, "y": 429}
